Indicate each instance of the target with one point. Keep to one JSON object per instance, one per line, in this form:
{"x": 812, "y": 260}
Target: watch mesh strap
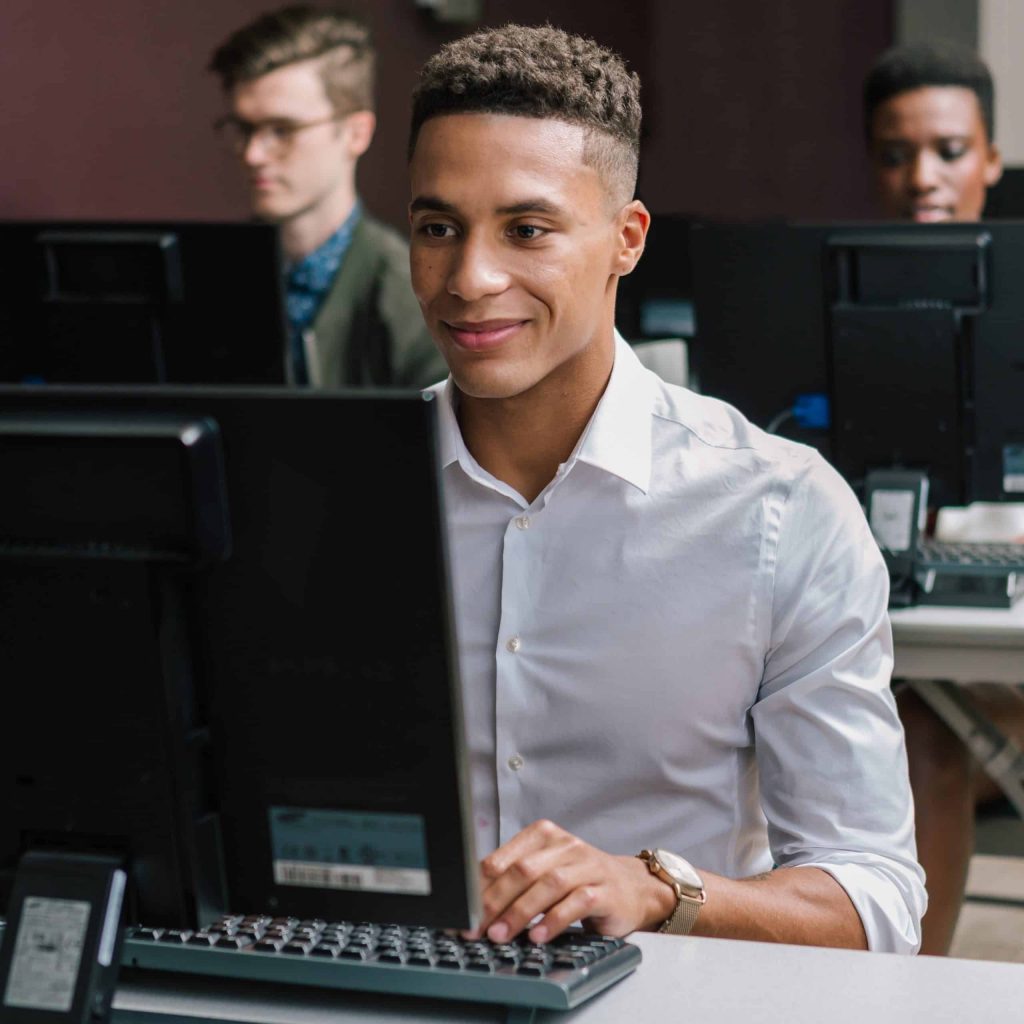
{"x": 683, "y": 917}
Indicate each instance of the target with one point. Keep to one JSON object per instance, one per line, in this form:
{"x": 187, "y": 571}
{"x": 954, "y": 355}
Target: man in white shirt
{"x": 672, "y": 626}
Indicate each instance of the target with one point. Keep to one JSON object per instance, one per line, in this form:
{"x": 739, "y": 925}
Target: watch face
{"x": 682, "y": 872}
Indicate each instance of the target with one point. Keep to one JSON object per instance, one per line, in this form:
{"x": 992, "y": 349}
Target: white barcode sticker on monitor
{"x": 891, "y": 516}
{"x": 356, "y": 851}
{"x": 47, "y": 954}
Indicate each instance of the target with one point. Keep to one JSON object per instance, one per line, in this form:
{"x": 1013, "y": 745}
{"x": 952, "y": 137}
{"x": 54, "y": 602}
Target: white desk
{"x": 963, "y": 645}
{"x": 941, "y": 649}
{"x": 699, "y": 981}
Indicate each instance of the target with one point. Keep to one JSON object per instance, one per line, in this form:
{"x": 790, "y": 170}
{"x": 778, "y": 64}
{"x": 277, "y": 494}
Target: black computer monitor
{"x": 141, "y": 302}
{"x": 914, "y": 335}
{"x": 655, "y": 301}
{"x": 227, "y": 648}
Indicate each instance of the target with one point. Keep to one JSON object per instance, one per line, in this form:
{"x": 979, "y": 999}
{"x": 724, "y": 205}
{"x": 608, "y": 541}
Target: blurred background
{"x": 752, "y": 109}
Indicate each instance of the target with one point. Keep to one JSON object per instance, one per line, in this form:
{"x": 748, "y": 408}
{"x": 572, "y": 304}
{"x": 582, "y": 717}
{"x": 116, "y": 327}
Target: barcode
{"x": 306, "y": 875}
{"x": 318, "y": 875}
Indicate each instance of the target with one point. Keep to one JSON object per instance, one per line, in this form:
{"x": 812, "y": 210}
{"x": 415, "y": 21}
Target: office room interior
{"x": 312, "y": 681}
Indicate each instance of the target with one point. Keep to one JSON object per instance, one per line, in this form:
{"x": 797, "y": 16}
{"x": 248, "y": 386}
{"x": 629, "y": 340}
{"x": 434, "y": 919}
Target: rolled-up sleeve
{"x": 830, "y": 746}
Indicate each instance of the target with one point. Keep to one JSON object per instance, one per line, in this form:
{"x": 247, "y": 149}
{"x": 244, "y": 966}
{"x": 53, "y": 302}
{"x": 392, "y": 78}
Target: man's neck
{"x": 524, "y": 439}
{"x": 307, "y": 231}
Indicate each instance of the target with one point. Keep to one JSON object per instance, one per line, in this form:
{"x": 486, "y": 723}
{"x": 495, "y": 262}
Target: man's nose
{"x": 255, "y": 150}
{"x": 478, "y": 270}
{"x": 925, "y": 171}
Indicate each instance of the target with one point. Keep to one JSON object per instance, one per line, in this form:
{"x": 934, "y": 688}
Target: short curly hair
{"x": 916, "y": 66}
{"x": 542, "y": 72}
{"x": 339, "y": 40}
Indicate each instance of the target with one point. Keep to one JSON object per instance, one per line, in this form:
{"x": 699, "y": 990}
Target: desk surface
{"x": 960, "y": 644}
{"x": 696, "y": 980}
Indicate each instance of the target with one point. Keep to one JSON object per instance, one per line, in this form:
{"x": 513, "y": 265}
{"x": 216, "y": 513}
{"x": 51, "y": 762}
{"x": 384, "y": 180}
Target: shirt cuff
{"x": 889, "y": 897}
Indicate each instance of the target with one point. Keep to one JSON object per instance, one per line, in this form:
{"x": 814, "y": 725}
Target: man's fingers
{"x": 535, "y": 876}
{"x": 534, "y": 837}
{"x": 580, "y": 904}
{"x": 549, "y": 889}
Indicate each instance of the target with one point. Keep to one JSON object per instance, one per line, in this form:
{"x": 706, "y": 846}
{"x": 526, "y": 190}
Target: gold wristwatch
{"x": 688, "y": 886}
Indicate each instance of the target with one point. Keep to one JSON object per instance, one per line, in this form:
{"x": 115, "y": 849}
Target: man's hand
{"x": 546, "y": 870}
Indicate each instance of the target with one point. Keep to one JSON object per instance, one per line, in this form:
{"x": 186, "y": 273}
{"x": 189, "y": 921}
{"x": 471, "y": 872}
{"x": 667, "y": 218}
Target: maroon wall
{"x": 755, "y": 108}
{"x": 751, "y": 108}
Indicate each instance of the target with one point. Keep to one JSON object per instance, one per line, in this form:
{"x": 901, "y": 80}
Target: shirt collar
{"x": 618, "y": 437}
{"x": 315, "y": 271}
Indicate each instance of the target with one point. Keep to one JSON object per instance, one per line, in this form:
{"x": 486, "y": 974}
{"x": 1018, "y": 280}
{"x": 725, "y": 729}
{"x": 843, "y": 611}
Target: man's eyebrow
{"x": 435, "y": 205}
{"x": 431, "y": 203}
{"x": 531, "y": 206}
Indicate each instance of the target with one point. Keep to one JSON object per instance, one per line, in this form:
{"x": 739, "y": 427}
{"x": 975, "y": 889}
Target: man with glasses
{"x": 299, "y": 86}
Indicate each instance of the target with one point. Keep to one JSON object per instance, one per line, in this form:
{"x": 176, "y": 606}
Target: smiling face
{"x": 930, "y": 155}
{"x": 517, "y": 246}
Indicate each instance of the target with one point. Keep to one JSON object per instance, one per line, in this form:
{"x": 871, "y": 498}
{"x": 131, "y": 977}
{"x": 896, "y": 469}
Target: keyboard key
{"x": 270, "y": 945}
{"x": 533, "y": 968}
{"x": 355, "y": 953}
{"x": 325, "y": 949}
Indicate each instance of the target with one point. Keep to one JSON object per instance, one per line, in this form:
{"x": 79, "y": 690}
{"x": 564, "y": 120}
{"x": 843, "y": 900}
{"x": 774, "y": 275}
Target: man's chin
{"x": 475, "y": 383}
{"x": 265, "y": 208}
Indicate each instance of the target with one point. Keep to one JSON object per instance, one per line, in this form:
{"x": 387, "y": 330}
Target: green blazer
{"x": 369, "y": 331}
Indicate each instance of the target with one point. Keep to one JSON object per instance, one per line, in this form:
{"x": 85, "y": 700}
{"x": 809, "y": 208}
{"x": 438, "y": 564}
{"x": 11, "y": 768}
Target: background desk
{"x": 699, "y": 981}
{"x": 963, "y": 645}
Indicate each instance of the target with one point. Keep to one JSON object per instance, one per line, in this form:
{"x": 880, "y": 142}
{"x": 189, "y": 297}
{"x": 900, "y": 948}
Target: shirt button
{"x": 513, "y": 644}
{"x": 523, "y": 522}
{"x": 515, "y": 762}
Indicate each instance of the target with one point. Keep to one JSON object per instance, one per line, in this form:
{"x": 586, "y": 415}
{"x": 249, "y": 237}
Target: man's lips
{"x": 926, "y": 213}
{"x": 482, "y": 334}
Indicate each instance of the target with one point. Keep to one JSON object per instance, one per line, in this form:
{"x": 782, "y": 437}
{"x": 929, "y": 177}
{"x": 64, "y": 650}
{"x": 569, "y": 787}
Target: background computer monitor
{"x": 225, "y": 631}
{"x": 656, "y": 300}
{"x": 915, "y": 333}
{"x": 141, "y": 302}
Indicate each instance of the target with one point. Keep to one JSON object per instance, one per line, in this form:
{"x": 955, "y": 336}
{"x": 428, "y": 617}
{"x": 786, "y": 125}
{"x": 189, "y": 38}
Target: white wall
{"x": 1001, "y": 42}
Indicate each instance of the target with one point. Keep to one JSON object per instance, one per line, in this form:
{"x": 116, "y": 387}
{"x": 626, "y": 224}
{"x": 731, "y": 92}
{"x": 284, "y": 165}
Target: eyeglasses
{"x": 276, "y": 137}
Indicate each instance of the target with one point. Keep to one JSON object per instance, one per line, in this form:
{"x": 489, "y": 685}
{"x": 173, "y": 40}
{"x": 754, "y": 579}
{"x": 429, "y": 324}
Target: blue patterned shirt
{"x": 307, "y": 284}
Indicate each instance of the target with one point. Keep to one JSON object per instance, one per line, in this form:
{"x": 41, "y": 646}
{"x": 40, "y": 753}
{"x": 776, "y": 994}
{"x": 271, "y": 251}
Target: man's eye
{"x": 281, "y": 132}
{"x": 436, "y": 230}
{"x": 527, "y": 232}
{"x": 950, "y": 151}
{"x": 891, "y": 156}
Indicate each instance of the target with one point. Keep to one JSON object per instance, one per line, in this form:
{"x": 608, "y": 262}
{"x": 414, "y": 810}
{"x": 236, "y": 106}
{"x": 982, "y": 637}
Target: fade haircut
{"x": 540, "y": 72}
{"x": 340, "y": 41}
{"x": 929, "y": 64}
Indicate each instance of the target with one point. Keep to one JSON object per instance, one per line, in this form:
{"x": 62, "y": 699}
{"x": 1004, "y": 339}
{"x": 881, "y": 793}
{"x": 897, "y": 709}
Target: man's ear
{"x": 632, "y": 223}
{"x": 993, "y": 166}
{"x": 359, "y": 128}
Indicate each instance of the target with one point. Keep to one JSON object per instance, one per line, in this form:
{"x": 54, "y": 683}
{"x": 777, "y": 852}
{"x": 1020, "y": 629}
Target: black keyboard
{"x": 395, "y": 959}
{"x": 970, "y": 556}
{"x": 974, "y": 573}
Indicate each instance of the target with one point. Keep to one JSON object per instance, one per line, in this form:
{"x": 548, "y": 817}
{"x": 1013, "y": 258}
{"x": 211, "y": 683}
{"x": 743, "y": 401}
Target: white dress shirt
{"x": 683, "y": 642}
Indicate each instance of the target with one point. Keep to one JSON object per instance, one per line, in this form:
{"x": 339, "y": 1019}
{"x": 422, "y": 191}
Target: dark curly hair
{"x": 539, "y": 72}
{"x": 913, "y": 67}
{"x": 341, "y": 41}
